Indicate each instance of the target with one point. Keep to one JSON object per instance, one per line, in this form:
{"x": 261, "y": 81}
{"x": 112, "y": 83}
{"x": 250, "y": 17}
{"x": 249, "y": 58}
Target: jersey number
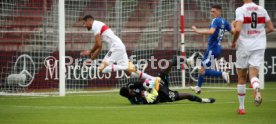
{"x": 254, "y": 19}
{"x": 220, "y": 35}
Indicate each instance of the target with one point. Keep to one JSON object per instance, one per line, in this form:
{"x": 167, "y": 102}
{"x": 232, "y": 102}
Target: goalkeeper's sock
{"x": 208, "y": 100}
{"x": 113, "y": 67}
{"x": 241, "y": 94}
{"x": 191, "y": 97}
{"x": 200, "y": 80}
{"x": 210, "y": 72}
{"x": 195, "y": 98}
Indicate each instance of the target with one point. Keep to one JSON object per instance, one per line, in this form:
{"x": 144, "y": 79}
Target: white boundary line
{"x": 120, "y": 107}
{"x": 81, "y": 93}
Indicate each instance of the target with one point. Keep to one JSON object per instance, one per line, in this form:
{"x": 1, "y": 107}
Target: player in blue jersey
{"x": 216, "y": 32}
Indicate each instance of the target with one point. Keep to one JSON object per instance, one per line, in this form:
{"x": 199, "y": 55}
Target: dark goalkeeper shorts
{"x": 167, "y": 95}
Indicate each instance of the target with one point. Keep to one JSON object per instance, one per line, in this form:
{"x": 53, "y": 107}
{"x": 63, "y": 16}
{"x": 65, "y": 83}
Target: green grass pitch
{"x": 110, "y": 108}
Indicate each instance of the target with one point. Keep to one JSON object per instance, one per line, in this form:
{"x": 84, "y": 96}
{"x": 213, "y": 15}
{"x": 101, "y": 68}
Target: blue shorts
{"x": 209, "y": 56}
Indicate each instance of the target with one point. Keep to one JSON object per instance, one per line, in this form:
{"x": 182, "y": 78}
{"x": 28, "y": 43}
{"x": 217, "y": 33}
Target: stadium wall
{"x": 112, "y": 81}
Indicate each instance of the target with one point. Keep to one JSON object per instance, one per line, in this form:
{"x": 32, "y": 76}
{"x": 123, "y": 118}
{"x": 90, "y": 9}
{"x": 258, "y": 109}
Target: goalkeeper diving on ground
{"x": 153, "y": 92}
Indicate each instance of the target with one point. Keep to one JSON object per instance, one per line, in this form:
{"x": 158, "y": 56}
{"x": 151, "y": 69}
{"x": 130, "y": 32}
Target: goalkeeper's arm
{"x": 151, "y": 92}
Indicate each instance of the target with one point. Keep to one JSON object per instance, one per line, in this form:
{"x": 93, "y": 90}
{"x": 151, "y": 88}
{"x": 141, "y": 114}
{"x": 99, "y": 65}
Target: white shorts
{"x": 118, "y": 56}
{"x": 254, "y": 58}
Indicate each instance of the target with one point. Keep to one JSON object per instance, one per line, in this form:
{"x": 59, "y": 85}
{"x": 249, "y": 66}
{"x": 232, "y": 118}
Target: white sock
{"x": 255, "y": 82}
{"x": 241, "y": 94}
{"x": 205, "y": 100}
{"x": 142, "y": 75}
{"x": 133, "y": 74}
{"x": 114, "y": 67}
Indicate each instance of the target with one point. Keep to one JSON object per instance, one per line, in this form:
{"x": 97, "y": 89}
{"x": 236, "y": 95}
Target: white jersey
{"x": 253, "y": 35}
{"x": 107, "y": 35}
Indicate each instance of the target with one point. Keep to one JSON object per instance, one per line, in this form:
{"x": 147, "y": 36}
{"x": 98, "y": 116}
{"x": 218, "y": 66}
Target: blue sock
{"x": 210, "y": 72}
{"x": 200, "y": 80}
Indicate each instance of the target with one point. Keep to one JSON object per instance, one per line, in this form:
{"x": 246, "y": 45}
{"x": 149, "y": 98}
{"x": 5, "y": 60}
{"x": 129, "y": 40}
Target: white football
{"x": 148, "y": 84}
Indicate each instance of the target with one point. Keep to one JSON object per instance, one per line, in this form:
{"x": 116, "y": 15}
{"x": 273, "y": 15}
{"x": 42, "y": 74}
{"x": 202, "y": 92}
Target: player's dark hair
{"x": 85, "y": 18}
{"x": 124, "y": 92}
{"x": 218, "y": 7}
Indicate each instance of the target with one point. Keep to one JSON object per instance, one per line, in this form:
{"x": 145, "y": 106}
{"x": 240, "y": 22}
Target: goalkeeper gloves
{"x": 151, "y": 96}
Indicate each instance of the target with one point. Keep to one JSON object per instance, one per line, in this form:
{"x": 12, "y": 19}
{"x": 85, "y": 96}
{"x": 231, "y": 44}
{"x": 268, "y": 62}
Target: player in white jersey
{"x": 117, "y": 50}
{"x": 252, "y": 23}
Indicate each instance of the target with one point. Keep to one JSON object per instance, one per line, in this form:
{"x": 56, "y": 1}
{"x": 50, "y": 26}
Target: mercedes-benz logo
{"x": 30, "y": 74}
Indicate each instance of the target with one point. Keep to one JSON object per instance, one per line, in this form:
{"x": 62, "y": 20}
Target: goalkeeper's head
{"x": 87, "y": 21}
{"x": 124, "y": 91}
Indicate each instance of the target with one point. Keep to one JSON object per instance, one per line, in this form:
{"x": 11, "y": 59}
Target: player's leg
{"x": 213, "y": 54}
{"x": 214, "y": 73}
{"x": 192, "y": 59}
{"x": 119, "y": 56}
{"x": 241, "y": 89}
{"x": 164, "y": 73}
{"x": 200, "y": 81}
{"x": 107, "y": 61}
{"x": 140, "y": 75}
{"x": 167, "y": 95}
{"x": 241, "y": 65}
{"x": 173, "y": 62}
{"x": 206, "y": 63}
{"x": 167, "y": 70}
{"x": 205, "y": 69}
{"x": 191, "y": 97}
{"x": 133, "y": 72}
{"x": 104, "y": 64}
{"x": 255, "y": 60}
{"x": 255, "y": 82}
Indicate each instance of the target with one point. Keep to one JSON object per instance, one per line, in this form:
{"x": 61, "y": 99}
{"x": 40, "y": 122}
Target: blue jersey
{"x": 221, "y": 25}
{"x": 214, "y": 40}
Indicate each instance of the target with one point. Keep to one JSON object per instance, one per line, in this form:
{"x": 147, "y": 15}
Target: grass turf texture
{"x": 110, "y": 108}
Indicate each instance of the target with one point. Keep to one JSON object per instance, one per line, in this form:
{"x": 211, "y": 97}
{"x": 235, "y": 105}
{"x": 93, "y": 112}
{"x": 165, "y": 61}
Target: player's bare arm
{"x": 238, "y": 26}
{"x": 204, "y": 32}
{"x": 94, "y": 48}
{"x": 97, "y": 47}
{"x": 215, "y": 12}
{"x": 269, "y": 27}
{"x": 232, "y": 27}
